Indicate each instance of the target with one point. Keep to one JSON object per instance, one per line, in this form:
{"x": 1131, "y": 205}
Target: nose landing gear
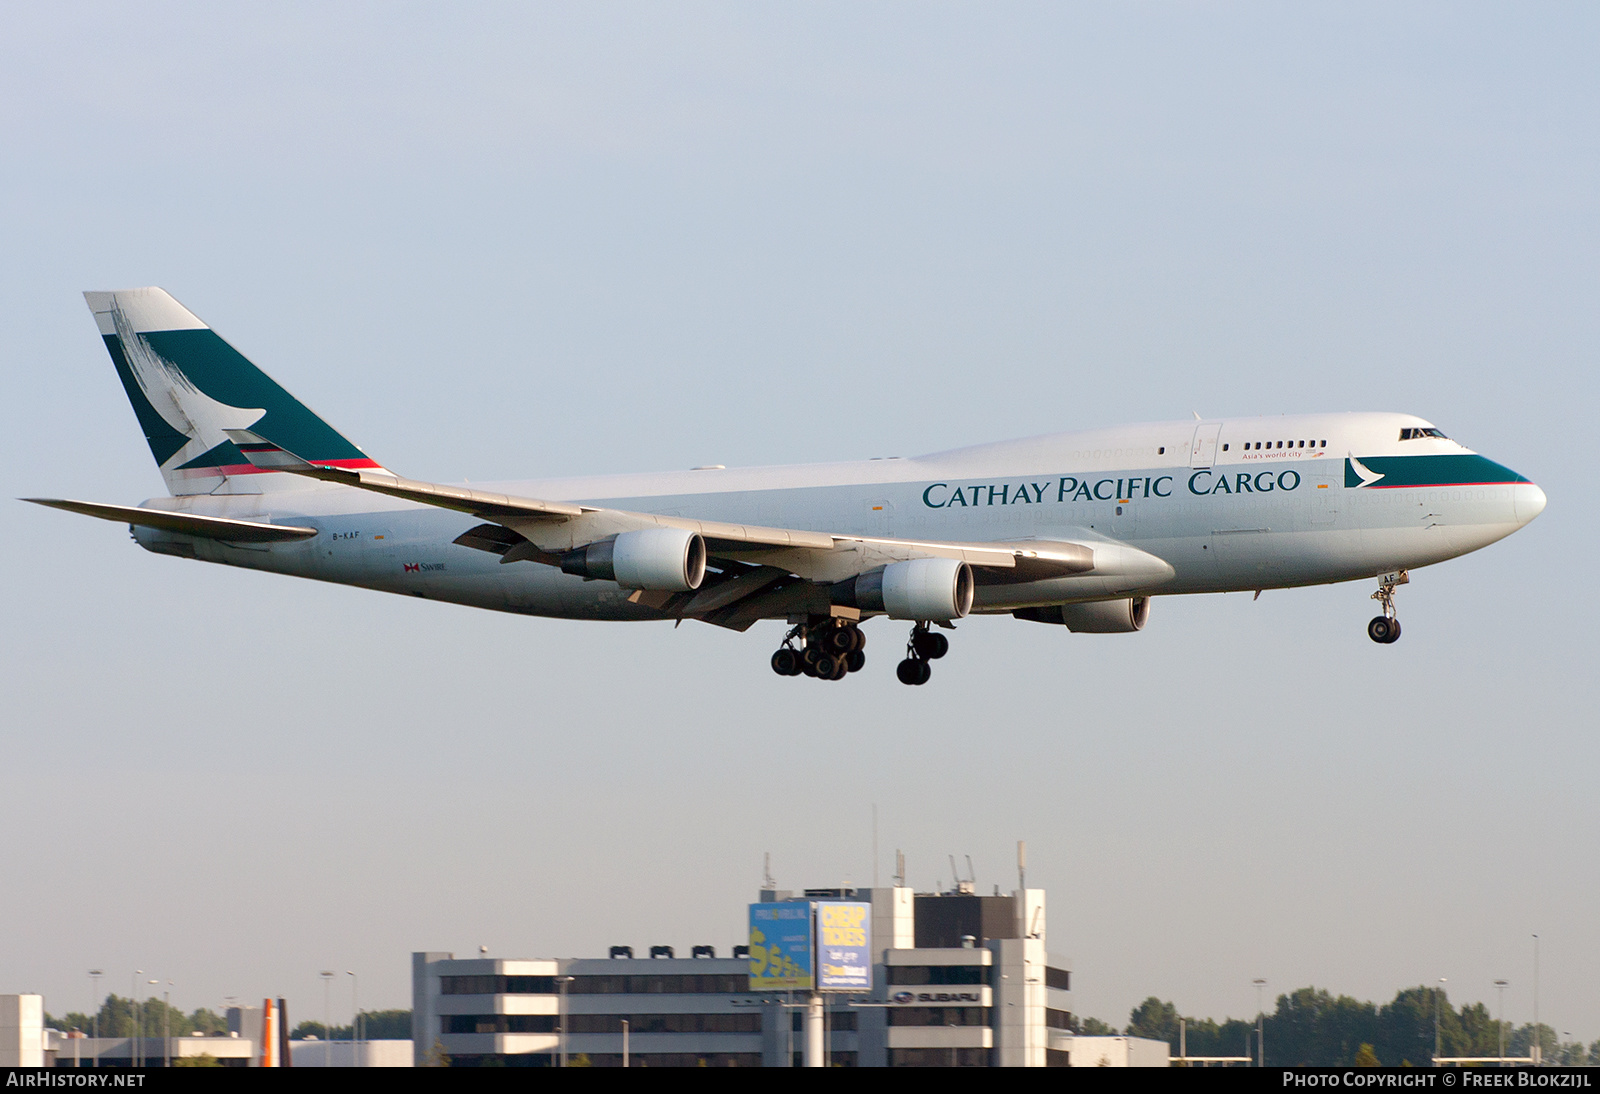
{"x": 830, "y": 649}
{"x": 923, "y": 646}
{"x": 1385, "y": 628}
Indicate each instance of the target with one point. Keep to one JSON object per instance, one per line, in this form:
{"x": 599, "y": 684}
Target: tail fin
{"x": 188, "y": 387}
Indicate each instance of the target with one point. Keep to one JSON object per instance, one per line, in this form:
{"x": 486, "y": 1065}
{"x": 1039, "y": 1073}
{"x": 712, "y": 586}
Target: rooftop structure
{"x": 958, "y": 979}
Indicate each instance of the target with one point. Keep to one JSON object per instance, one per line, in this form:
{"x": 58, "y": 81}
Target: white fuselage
{"x": 1294, "y": 511}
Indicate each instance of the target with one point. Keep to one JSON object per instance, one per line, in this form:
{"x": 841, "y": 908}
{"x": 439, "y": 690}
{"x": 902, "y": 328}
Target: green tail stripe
{"x": 226, "y": 375}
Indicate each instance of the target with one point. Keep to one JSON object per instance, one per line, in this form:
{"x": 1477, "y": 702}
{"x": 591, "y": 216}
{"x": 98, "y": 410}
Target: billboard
{"x": 844, "y": 946}
{"x": 780, "y": 946}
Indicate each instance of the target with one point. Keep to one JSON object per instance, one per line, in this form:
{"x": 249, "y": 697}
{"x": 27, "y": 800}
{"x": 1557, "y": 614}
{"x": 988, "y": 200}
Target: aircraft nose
{"x": 1529, "y": 501}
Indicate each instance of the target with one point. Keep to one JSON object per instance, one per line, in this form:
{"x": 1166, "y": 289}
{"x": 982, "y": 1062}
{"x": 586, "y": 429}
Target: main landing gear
{"x": 830, "y": 649}
{"x": 924, "y": 646}
{"x": 1385, "y": 628}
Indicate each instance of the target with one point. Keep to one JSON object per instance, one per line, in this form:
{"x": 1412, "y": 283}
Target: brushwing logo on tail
{"x": 181, "y": 404}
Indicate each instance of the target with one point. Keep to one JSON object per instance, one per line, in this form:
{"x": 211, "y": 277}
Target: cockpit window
{"x": 1418, "y": 433}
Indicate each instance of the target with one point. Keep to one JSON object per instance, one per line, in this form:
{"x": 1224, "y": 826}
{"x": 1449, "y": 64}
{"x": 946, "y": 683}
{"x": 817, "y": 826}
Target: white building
{"x": 958, "y": 980}
{"x": 1120, "y": 1052}
{"x": 69, "y": 1050}
{"x": 316, "y": 1053}
{"x": 21, "y": 1031}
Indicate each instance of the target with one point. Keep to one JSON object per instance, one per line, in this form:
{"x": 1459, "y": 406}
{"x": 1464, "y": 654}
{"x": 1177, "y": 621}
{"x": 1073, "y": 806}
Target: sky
{"x": 500, "y": 241}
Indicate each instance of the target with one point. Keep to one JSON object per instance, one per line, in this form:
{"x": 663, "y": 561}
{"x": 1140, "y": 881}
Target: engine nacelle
{"x": 920, "y": 588}
{"x": 1097, "y": 617}
{"x": 665, "y": 560}
{"x": 1107, "y": 616}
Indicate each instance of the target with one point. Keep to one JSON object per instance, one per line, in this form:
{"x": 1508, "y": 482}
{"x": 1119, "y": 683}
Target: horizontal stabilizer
{"x": 187, "y": 524}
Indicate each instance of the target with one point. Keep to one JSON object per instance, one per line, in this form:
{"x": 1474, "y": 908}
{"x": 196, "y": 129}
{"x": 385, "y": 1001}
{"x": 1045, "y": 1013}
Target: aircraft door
{"x": 1325, "y": 489}
{"x": 880, "y": 517}
{"x": 1203, "y": 450}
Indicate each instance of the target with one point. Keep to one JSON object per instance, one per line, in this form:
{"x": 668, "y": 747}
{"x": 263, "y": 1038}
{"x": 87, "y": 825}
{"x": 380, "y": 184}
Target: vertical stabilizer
{"x": 188, "y": 387}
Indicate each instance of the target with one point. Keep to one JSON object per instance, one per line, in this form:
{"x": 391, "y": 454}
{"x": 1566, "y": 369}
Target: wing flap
{"x": 547, "y": 528}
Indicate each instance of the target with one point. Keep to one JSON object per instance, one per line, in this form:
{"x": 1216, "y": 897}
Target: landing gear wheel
{"x": 1386, "y": 628}
{"x": 913, "y": 671}
{"x": 930, "y": 646}
{"x": 854, "y": 661}
{"x": 839, "y": 640}
{"x": 786, "y": 662}
{"x": 829, "y": 668}
{"x": 1383, "y": 629}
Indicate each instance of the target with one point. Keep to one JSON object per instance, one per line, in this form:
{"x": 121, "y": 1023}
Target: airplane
{"x": 1077, "y": 530}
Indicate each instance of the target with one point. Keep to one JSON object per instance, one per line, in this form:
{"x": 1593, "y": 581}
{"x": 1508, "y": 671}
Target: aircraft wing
{"x": 525, "y": 515}
{"x": 759, "y": 572}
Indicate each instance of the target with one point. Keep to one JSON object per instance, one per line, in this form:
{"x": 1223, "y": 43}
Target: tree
{"x": 386, "y": 1025}
{"x": 1472, "y": 1033}
{"x": 1365, "y": 1057}
{"x": 1521, "y": 1041}
{"x": 205, "y": 1059}
{"x": 1093, "y": 1027}
{"x": 1406, "y": 1027}
{"x": 1156, "y": 1020}
{"x": 208, "y": 1022}
{"x": 376, "y": 1025}
{"x": 1311, "y": 1026}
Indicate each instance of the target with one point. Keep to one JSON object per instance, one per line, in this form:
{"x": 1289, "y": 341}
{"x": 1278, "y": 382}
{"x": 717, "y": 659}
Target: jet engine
{"x": 668, "y": 560}
{"x": 1095, "y": 617}
{"x": 920, "y": 588}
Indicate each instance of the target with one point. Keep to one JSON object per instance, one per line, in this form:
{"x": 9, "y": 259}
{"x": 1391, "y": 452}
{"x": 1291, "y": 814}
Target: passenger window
{"x": 1224, "y": 448}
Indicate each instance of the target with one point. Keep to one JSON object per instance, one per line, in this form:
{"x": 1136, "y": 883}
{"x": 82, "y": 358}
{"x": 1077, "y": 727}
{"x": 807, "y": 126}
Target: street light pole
{"x": 327, "y": 1018}
{"x": 1538, "y": 1037}
{"x": 1500, "y": 986}
{"x": 166, "y": 1025}
{"x": 1261, "y": 1025}
{"x": 133, "y": 1018}
{"x": 150, "y": 997}
{"x": 1437, "y": 993}
{"x": 94, "y": 978}
{"x": 355, "y": 1017}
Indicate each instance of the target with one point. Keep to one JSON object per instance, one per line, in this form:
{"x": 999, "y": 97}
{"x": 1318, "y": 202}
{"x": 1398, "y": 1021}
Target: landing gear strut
{"x": 923, "y": 646}
{"x": 1385, "y": 628}
{"x": 829, "y": 649}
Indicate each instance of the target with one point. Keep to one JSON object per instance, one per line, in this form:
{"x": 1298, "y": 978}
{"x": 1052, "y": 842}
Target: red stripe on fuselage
{"x": 1433, "y": 485}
